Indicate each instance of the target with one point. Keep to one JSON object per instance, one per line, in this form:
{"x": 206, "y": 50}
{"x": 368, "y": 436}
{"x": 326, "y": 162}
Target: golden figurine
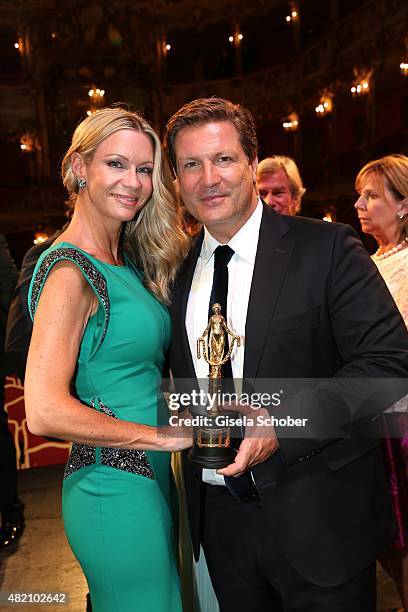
{"x": 212, "y": 444}
{"x": 214, "y": 345}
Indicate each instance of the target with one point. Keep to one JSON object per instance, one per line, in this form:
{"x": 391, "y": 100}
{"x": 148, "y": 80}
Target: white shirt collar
{"x": 244, "y": 242}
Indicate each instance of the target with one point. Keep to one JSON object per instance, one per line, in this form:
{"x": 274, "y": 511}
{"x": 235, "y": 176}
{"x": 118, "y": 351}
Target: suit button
{"x": 301, "y": 459}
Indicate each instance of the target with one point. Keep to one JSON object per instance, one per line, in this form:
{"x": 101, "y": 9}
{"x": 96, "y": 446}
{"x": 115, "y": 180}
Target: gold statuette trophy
{"x": 212, "y": 442}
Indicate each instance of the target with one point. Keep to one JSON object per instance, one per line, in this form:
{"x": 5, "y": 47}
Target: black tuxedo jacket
{"x": 318, "y": 309}
{"x": 19, "y": 323}
{"x": 8, "y": 280}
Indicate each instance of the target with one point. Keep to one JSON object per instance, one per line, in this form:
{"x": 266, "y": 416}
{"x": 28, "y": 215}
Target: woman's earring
{"x": 81, "y": 183}
{"x": 404, "y": 209}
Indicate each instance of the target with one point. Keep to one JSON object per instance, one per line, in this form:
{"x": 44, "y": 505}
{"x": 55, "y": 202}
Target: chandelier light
{"x": 293, "y": 16}
{"x": 27, "y": 142}
{"x": 97, "y": 97}
{"x": 291, "y": 123}
{"x": 40, "y": 237}
{"x": 236, "y": 38}
{"x": 362, "y": 81}
{"x": 404, "y": 59}
{"x": 325, "y": 105}
{"x": 19, "y": 45}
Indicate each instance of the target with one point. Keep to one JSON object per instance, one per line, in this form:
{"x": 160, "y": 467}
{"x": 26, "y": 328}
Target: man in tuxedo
{"x": 296, "y": 522}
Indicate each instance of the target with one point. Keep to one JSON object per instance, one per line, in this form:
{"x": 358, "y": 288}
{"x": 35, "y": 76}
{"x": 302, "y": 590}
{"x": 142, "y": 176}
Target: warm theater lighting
{"x": 236, "y": 38}
{"x": 291, "y": 123}
{"x": 40, "y": 237}
{"x": 404, "y": 59}
{"x": 361, "y": 83}
{"x": 325, "y": 106}
{"x": 96, "y": 93}
{"x": 361, "y": 88}
{"x": 19, "y": 45}
{"x": 97, "y": 99}
{"x": 27, "y": 142}
{"x": 166, "y": 47}
{"x": 294, "y": 13}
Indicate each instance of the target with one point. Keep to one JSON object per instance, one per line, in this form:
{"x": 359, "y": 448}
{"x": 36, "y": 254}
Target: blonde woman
{"x": 101, "y": 328}
{"x": 383, "y": 212}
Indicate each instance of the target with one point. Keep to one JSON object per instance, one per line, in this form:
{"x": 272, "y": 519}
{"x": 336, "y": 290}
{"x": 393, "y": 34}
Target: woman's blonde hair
{"x": 390, "y": 171}
{"x": 155, "y": 240}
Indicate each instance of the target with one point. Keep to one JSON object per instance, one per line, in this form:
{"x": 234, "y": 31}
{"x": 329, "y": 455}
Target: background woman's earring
{"x": 81, "y": 183}
{"x": 404, "y": 209}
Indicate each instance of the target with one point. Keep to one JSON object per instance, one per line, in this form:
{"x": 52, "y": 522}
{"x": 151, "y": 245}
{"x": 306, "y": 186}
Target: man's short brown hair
{"x": 209, "y": 110}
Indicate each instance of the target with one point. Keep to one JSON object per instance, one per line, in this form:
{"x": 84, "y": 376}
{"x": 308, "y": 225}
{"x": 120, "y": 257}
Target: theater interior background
{"x": 327, "y": 82}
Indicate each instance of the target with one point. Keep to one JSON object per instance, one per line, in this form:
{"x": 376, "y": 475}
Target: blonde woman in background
{"x": 382, "y": 210}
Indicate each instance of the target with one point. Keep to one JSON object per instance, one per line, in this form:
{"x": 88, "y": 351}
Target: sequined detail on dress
{"x": 81, "y": 456}
{"x": 126, "y": 459}
{"x": 129, "y": 460}
{"x": 95, "y": 277}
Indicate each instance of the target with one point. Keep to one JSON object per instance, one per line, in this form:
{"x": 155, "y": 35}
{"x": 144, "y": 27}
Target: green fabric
{"x": 119, "y": 524}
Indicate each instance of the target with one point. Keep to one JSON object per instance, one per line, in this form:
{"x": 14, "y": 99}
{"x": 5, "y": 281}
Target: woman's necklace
{"x": 398, "y": 247}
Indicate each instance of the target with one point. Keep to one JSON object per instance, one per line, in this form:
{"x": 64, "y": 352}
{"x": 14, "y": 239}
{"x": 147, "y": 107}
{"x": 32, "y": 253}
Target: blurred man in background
{"x": 12, "y": 509}
{"x": 279, "y": 184}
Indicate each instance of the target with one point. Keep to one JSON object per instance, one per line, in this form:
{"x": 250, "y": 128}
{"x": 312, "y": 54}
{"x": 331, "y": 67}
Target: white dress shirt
{"x": 240, "y": 272}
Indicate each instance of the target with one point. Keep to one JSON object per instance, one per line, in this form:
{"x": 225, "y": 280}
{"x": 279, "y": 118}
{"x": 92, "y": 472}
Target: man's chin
{"x": 211, "y": 214}
{"x": 210, "y": 220}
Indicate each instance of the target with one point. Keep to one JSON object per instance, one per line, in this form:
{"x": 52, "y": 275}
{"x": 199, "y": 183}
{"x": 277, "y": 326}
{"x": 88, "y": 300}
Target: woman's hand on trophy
{"x": 259, "y": 444}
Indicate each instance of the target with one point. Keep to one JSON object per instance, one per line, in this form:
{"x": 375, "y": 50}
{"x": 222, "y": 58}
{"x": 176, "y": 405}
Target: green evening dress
{"x": 117, "y": 503}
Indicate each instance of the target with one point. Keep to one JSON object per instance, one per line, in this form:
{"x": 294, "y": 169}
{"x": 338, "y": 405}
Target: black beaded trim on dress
{"x": 96, "y": 278}
{"x": 81, "y": 456}
{"x": 127, "y": 459}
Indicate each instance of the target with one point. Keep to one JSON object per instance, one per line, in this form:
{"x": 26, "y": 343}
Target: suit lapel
{"x": 271, "y": 262}
{"x": 179, "y": 306}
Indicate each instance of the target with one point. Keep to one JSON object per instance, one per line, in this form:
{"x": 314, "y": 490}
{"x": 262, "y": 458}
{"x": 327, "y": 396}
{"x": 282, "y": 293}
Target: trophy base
{"x": 212, "y": 458}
